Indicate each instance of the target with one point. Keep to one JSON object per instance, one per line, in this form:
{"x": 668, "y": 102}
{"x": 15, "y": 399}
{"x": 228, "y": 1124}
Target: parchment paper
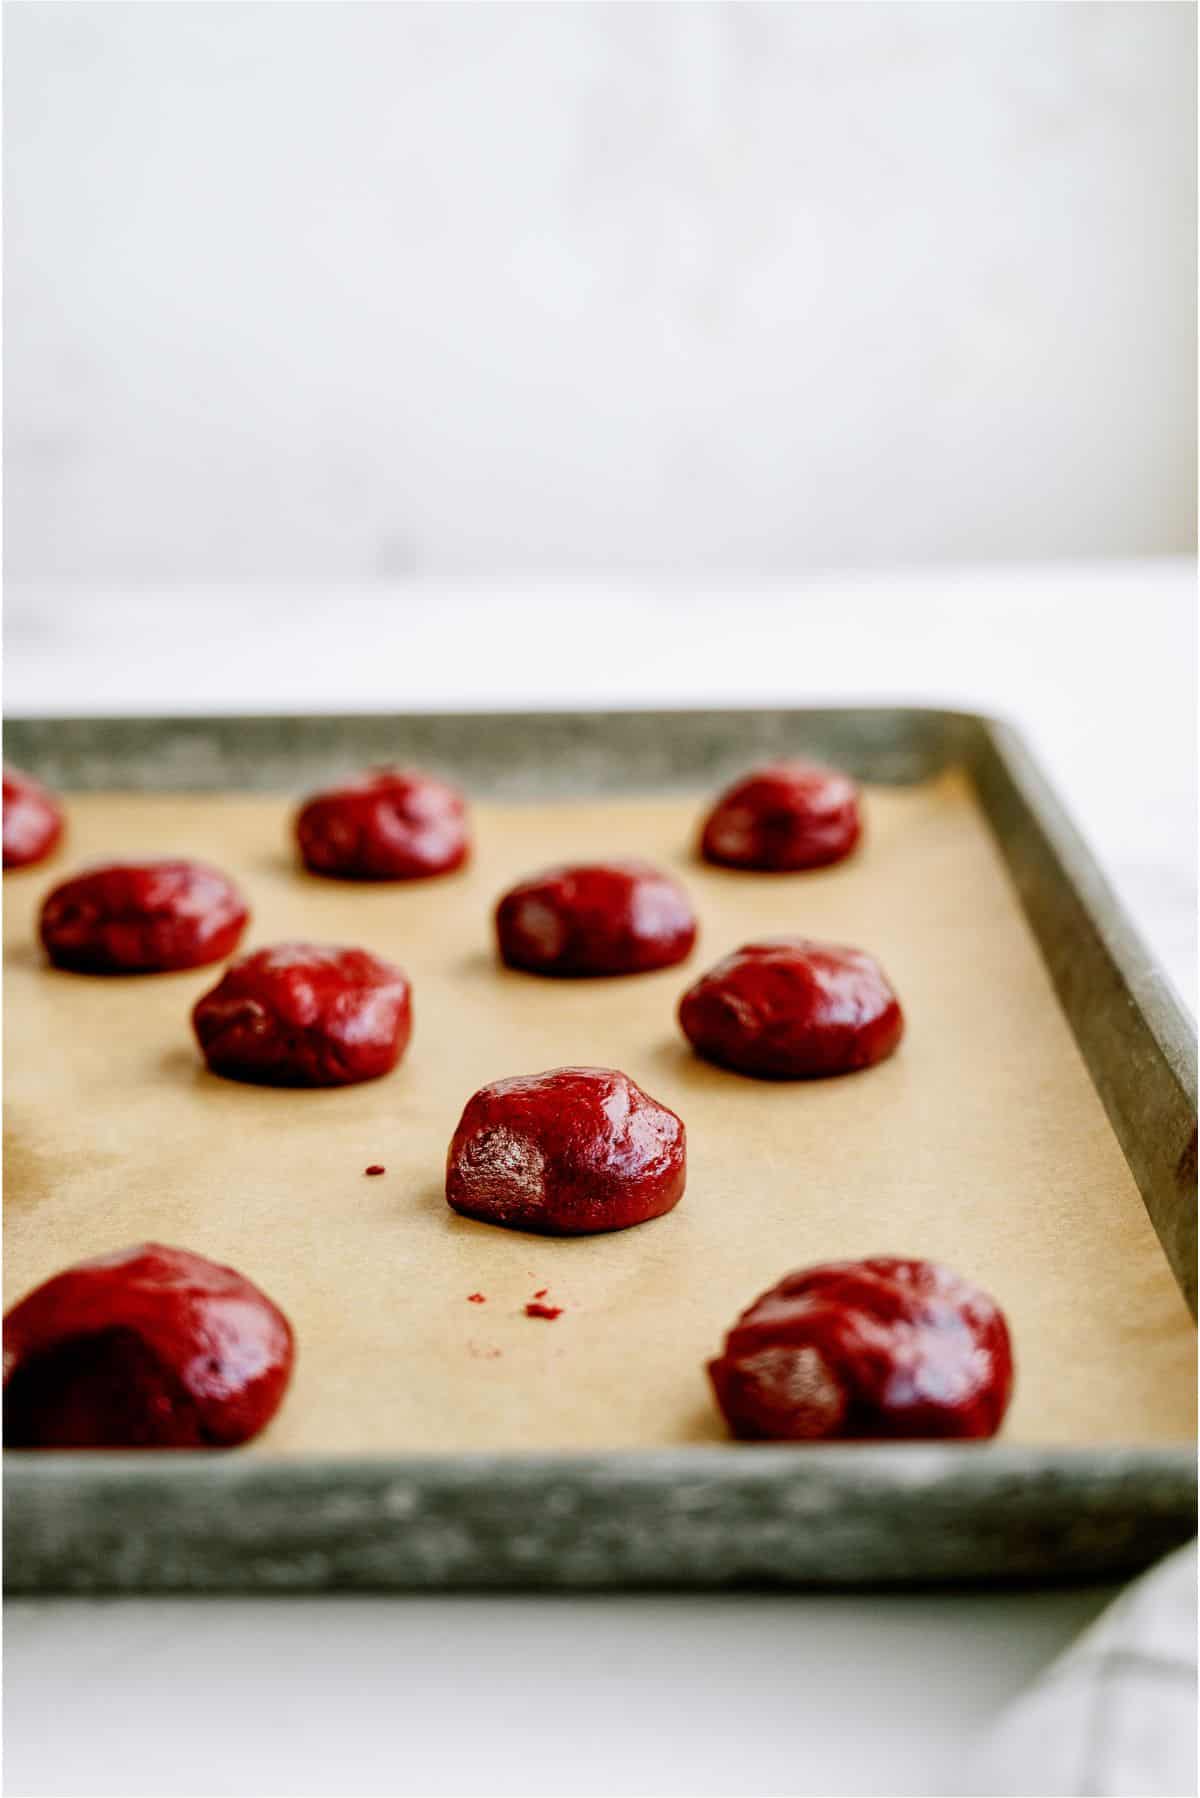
{"x": 982, "y": 1142}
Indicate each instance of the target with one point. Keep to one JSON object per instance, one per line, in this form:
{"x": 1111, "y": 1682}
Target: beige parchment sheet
{"x": 981, "y": 1142}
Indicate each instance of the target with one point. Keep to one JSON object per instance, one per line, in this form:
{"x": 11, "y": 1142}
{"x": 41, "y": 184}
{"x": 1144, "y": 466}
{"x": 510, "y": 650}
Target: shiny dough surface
{"x": 981, "y": 1143}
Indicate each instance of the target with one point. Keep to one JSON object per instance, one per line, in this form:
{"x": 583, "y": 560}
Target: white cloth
{"x": 1115, "y": 1716}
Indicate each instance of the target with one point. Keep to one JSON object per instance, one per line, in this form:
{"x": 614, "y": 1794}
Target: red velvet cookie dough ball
{"x": 33, "y": 820}
{"x": 566, "y": 1153}
{"x": 789, "y": 1009}
{"x": 148, "y": 1348}
{"x": 142, "y": 918}
{"x": 389, "y": 824}
{"x": 784, "y": 817}
{"x": 884, "y": 1348}
{"x": 305, "y": 1014}
{"x": 621, "y": 917}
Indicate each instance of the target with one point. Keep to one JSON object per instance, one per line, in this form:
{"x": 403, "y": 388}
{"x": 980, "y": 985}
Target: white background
{"x": 347, "y": 291}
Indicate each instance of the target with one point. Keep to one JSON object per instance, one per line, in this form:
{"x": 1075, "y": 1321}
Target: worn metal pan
{"x": 702, "y": 1516}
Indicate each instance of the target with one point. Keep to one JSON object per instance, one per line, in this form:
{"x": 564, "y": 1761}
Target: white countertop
{"x": 616, "y": 1694}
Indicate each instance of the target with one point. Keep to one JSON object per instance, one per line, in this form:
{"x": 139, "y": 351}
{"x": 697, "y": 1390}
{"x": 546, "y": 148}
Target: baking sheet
{"x": 982, "y": 1142}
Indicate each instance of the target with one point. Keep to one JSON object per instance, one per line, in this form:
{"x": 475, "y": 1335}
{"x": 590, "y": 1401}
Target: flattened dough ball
{"x": 142, "y": 918}
{"x": 623, "y": 917}
{"x": 305, "y": 1014}
{"x": 33, "y": 820}
{"x": 791, "y": 1009}
{"x": 388, "y": 824}
{"x": 782, "y": 818}
{"x": 148, "y": 1348}
{"x": 882, "y": 1348}
{"x": 566, "y": 1153}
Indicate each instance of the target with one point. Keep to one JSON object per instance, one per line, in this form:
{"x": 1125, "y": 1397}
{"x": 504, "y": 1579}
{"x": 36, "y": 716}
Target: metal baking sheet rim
{"x": 827, "y": 1516}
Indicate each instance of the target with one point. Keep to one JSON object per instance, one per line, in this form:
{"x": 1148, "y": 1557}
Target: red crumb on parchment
{"x": 549, "y": 1311}
{"x": 541, "y": 1292}
{"x": 477, "y": 1298}
{"x": 375, "y": 1168}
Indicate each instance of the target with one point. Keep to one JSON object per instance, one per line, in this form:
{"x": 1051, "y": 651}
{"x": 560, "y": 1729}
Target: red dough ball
{"x": 142, "y": 918}
{"x": 305, "y": 1014}
{"x": 601, "y": 918}
{"x": 566, "y": 1153}
{"x": 784, "y": 817}
{"x": 148, "y": 1348}
{"x": 788, "y": 1009}
{"x": 33, "y": 820}
{"x": 866, "y": 1349}
{"x": 389, "y": 824}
